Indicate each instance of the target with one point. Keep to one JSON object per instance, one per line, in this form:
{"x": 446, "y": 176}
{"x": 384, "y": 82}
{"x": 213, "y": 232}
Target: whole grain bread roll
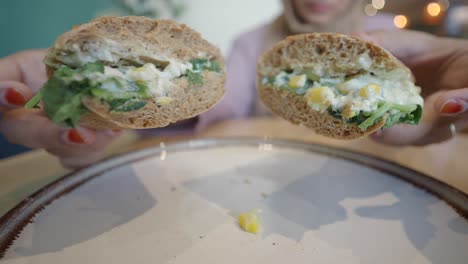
{"x": 133, "y": 40}
{"x": 334, "y": 55}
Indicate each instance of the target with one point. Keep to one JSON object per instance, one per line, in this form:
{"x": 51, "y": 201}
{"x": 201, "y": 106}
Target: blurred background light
{"x": 433, "y": 9}
{"x": 444, "y": 4}
{"x": 400, "y": 21}
{"x": 370, "y": 10}
{"x": 378, "y": 4}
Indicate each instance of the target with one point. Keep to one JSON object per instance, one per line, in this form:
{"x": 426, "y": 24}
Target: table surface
{"x": 22, "y": 175}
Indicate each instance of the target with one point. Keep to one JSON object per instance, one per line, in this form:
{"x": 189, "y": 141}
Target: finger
{"x": 13, "y": 95}
{"x": 89, "y": 154}
{"x": 404, "y": 134}
{"x": 75, "y": 162}
{"x": 32, "y": 128}
{"x": 401, "y": 134}
{"x": 424, "y": 134}
{"x": 404, "y": 44}
{"x": 75, "y": 147}
{"x": 445, "y": 113}
{"x": 100, "y": 139}
{"x": 453, "y": 102}
{"x": 25, "y": 67}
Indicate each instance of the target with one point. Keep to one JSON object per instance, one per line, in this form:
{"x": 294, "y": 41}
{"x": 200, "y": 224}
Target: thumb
{"x": 445, "y": 113}
{"x": 453, "y": 102}
{"x": 13, "y": 95}
{"x": 403, "y": 44}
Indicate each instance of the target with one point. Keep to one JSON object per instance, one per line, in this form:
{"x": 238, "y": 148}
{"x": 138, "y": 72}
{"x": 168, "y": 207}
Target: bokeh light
{"x": 445, "y": 4}
{"x": 433, "y": 9}
{"x": 370, "y": 10}
{"x": 378, "y": 4}
{"x": 400, "y": 21}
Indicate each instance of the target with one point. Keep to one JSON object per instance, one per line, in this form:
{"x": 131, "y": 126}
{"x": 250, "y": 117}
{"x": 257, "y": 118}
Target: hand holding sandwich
{"x": 111, "y": 73}
{"x": 440, "y": 68}
{"x": 21, "y": 76}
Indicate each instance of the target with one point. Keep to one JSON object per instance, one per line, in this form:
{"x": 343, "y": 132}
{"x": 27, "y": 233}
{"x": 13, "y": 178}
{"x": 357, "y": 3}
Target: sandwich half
{"x": 339, "y": 86}
{"x": 130, "y": 72}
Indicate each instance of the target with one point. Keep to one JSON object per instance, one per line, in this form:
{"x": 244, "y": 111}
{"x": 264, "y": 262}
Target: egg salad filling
{"x": 362, "y": 99}
{"x": 122, "y": 88}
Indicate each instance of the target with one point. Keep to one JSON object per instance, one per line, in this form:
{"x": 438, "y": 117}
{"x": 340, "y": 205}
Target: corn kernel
{"x": 164, "y": 100}
{"x": 146, "y": 72}
{"x": 348, "y": 111}
{"x": 297, "y": 81}
{"x": 370, "y": 90}
{"x": 140, "y": 69}
{"x": 343, "y": 88}
{"x": 250, "y": 222}
{"x": 320, "y": 95}
{"x": 311, "y": 75}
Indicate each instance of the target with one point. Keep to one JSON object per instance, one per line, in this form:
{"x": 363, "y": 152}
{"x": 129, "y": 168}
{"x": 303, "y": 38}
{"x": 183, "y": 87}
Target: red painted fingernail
{"x": 14, "y": 97}
{"x": 452, "y": 107}
{"x": 75, "y": 137}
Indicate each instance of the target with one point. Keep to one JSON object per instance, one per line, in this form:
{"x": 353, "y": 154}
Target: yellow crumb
{"x": 250, "y": 221}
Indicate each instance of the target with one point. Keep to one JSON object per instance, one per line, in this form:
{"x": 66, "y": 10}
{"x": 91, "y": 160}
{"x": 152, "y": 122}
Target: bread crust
{"x": 142, "y": 40}
{"x": 136, "y": 38}
{"x": 188, "y": 102}
{"x": 294, "y": 108}
{"x": 337, "y": 55}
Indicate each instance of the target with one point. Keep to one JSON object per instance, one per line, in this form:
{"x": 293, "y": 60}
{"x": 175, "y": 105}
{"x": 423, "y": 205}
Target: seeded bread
{"x": 139, "y": 40}
{"x": 338, "y": 55}
{"x": 188, "y": 102}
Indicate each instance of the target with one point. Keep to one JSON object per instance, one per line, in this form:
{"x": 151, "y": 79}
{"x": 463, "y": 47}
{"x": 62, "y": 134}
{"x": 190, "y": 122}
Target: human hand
{"x": 440, "y": 66}
{"x": 22, "y": 75}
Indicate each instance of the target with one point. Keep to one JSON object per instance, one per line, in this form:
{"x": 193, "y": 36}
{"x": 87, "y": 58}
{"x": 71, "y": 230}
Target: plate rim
{"x": 17, "y": 218}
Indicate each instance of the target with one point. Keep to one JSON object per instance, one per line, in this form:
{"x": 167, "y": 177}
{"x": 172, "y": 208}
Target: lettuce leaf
{"x": 409, "y": 114}
{"x": 412, "y": 117}
{"x": 62, "y": 101}
{"x": 34, "y": 101}
{"x": 376, "y": 116}
{"x": 195, "y": 76}
{"x": 126, "y": 105}
{"x": 62, "y": 94}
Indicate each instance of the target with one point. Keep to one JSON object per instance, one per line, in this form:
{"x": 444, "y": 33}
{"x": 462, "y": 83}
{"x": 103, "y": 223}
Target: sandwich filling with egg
{"x": 362, "y": 99}
{"x": 123, "y": 87}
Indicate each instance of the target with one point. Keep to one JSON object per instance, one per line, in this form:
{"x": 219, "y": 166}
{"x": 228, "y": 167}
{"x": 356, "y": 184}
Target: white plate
{"x": 178, "y": 204}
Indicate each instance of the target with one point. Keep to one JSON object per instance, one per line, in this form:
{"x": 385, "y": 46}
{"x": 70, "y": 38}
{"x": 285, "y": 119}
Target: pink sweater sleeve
{"x": 239, "y": 100}
{"x": 240, "y": 94}
{"x": 381, "y": 21}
